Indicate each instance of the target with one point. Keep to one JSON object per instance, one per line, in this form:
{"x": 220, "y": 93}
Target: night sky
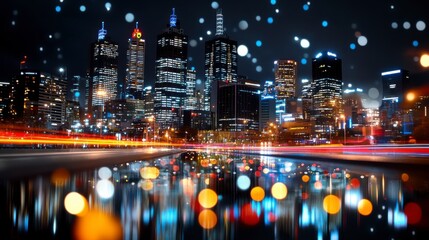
{"x": 393, "y": 34}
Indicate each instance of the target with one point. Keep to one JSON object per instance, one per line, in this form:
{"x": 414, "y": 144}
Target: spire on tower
{"x": 137, "y": 25}
{"x": 102, "y": 32}
{"x": 219, "y": 22}
{"x": 173, "y": 19}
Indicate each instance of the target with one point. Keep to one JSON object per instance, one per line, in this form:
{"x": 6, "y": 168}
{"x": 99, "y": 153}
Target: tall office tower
{"x": 267, "y": 108}
{"x": 327, "y": 94}
{"x": 4, "y": 101}
{"x": 103, "y": 72}
{"x": 52, "y": 100}
{"x": 220, "y": 64}
{"x": 306, "y": 97}
{"x": 170, "y": 84}
{"x": 395, "y": 85}
{"x": 134, "y": 80}
{"x": 285, "y": 72}
{"x": 148, "y": 102}
{"x": 191, "y": 93}
{"x": 238, "y": 104}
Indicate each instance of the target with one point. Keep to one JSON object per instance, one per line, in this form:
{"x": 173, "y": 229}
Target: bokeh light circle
{"x": 242, "y": 50}
{"x": 97, "y": 225}
{"x": 305, "y": 7}
{"x": 258, "y": 18}
{"x": 324, "y": 23}
{"x": 60, "y": 176}
{"x": 259, "y": 68}
{"x": 373, "y": 93}
{"x": 258, "y": 43}
{"x": 74, "y": 203}
{"x": 207, "y": 198}
{"x": 193, "y": 43}
{"x": 406, "y": 25}
{"x": 410, "y": 97}
{"x": 270, "y": 20}
{"x": 415, "y": 43}
{"x": 305, "y": 43}
{"x": 207, "y": 219}
{"x": 243, "y": 25}
{"x": 57, "y": 9}
{"x": 215, "y": 5}
{"x": 413, "y": 211}
{"x": 243, "y": 182}
{"x": 146, "y": 185}
{"x": 279, "y": 191}
{"x": 82, "y": 8}
{"x": 104, "y": 173}
{"x": 394, "y": 25}
{"x": 352, "y": 46}
{"x": 331, "y": 204}
{"x": 305, "y": 178}
{"x": 424, "y": 60}
{"x": 421, "y": 26}
{"x": 257, "y": 194}
{"x": 129, "y": 17}
{"x": 108, "y": 6}
{"x": 355, "y": 183}
{"x": 303, "y": 61}
{"x": 105, "y": 189}
{"x": 149, "y": 172}
{"x": 365, "y": 207}
{"x": 201, "y": 20}
{"x": 362, "y": 41}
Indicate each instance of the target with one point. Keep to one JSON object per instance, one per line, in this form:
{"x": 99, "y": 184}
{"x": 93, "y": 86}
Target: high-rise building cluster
{"x": 229, "y": 106}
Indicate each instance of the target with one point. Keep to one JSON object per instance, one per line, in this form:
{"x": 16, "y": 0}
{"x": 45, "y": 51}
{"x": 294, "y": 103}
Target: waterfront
{"x": 220, "y": 195}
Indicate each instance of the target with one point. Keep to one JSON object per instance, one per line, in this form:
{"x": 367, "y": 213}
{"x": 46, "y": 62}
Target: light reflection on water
{"x": 220, "y": 196}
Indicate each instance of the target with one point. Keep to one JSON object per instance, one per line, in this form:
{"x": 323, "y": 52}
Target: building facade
{"x": 134, "y": 79}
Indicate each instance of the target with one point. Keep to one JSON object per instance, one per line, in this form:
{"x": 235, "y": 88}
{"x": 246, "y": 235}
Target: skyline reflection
{"x": 220, "y": 195}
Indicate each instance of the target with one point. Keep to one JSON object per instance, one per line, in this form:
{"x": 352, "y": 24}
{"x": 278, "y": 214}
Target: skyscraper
{"x": 103, "y": 72}
{"x": 134, "y": 80}
{"x": 220, "y": 63}
{"x": 191, "y": 93}
{"x": 327, "y": 94}
{"x": 285, "y": 78}
{"x": 170, "y": 84}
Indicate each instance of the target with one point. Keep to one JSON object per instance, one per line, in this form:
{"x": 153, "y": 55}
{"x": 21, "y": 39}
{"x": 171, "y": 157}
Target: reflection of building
{"x": 171, "y": 66}
{"x": 134, "y": 79}
{"x": 238, "y": 106}
{"x": 394, "y": 118}
{"x": 103, "y": 72}
{"x": 220, "y": 64}
{"x": 326, "y": 93}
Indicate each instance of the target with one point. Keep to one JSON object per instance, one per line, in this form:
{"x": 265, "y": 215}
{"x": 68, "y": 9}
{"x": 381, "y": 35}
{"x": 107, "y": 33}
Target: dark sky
{"x": 27, "y": 25}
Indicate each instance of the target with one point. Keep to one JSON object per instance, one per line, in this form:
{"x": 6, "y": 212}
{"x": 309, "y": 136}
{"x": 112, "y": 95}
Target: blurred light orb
{"x": 97, "y": 225}
{"x": 209, "y": 32}
{"x": 305, "y": 7}
{"x": 146, "y": 185}
{"x": 331, "y": 204}
{"x": 201, "y": 20}
{"x": 257, "y": 194}
{"x": 258, "y": 18}
{"x": 199, "y": 81}
{"x": 207, "y": 219}
{"x": 259, "y": 68}
{"x": 193, "y": 43}
{"x": 305, "y": 43}
{"x": 421, "y": 26}
{"x": 352, "y": 46}
{"x": 296, "y": 38}
{"x": 105, "y": 189}
{"x": 243, "y": 182}
{"x": 394, "y": 25}
{"x": 254, "y": 60}
{"x": 424, "y": 60}
{"x": 303, "y": 61}
{"x": 258, "y": 43}
{"x": 60, "y": 176}
{"x": 273, "y": 2}
{"x": 325, "y": 23}
{"x": 365, "y": 207}
{"x": 279, "y": 191}
{"x": 242, "y": 50}
{"x": 108, "y": 6}
{"x": 405, "y": 177}
{"x": 373, "y": 93}
{"x": 74, "y": 203}
{"x": 58, "y": 9}
{"x": 77, "y": 94}
{"x": 415, "y": 43}
{"x": 270, "y": 20}
{"x": 149, "y": 172}
{"x": 355, "y": 183}
{"x": 207, "y": 198}
{"x": 305, "y": 178}
{"x": 413, "y": 211}
{"x": 104, "y": 173}
{"x": 362, "y": 41}
{"x": 129, "y": 17}
{"x": 243, "y": 25}
{"x": 82, "y": 8}
{"x": 318, "y": 185}
{"x": 215, "y": 5}
{"x": 406, "y": 25}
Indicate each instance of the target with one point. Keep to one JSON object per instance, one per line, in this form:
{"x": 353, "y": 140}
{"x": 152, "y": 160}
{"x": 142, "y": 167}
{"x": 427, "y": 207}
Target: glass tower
{"x": 134, "y": 80}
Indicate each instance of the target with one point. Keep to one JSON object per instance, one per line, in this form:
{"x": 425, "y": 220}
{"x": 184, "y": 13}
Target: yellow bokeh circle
{"x": 424, "y": 60}
{"x": 331, "y": 204}
{"x": 257, "y": 194}
{"x": 75, "y": 203}
{"x": 305, "y": 178}
{"x": 149, "y": 172}
{"x": 207, "y": 198}
{"x": 279, "y": 191}
{"x": 207, "y": 219}
{"x": 147, "y": 185}
{"x": 365, "y": 207}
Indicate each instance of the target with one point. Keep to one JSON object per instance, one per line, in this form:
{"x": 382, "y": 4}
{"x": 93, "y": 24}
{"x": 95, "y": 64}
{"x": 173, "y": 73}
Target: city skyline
{"x": 392, "y": 36}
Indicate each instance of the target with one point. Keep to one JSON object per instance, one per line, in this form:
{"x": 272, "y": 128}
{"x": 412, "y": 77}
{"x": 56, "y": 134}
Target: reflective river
{"x": 220, "y": 195}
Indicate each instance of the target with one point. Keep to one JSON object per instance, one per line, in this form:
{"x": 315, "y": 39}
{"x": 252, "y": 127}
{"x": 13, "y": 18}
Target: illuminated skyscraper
{"x": 103, "y": 72}
{"x": 220, "y": 63}
{"x": 134, "y": 79}
{"x": 171, "y": 65}
{"x": 327, "y": 94}
{"x": 285, "y": 78}
{"x": 191, "y": 93}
